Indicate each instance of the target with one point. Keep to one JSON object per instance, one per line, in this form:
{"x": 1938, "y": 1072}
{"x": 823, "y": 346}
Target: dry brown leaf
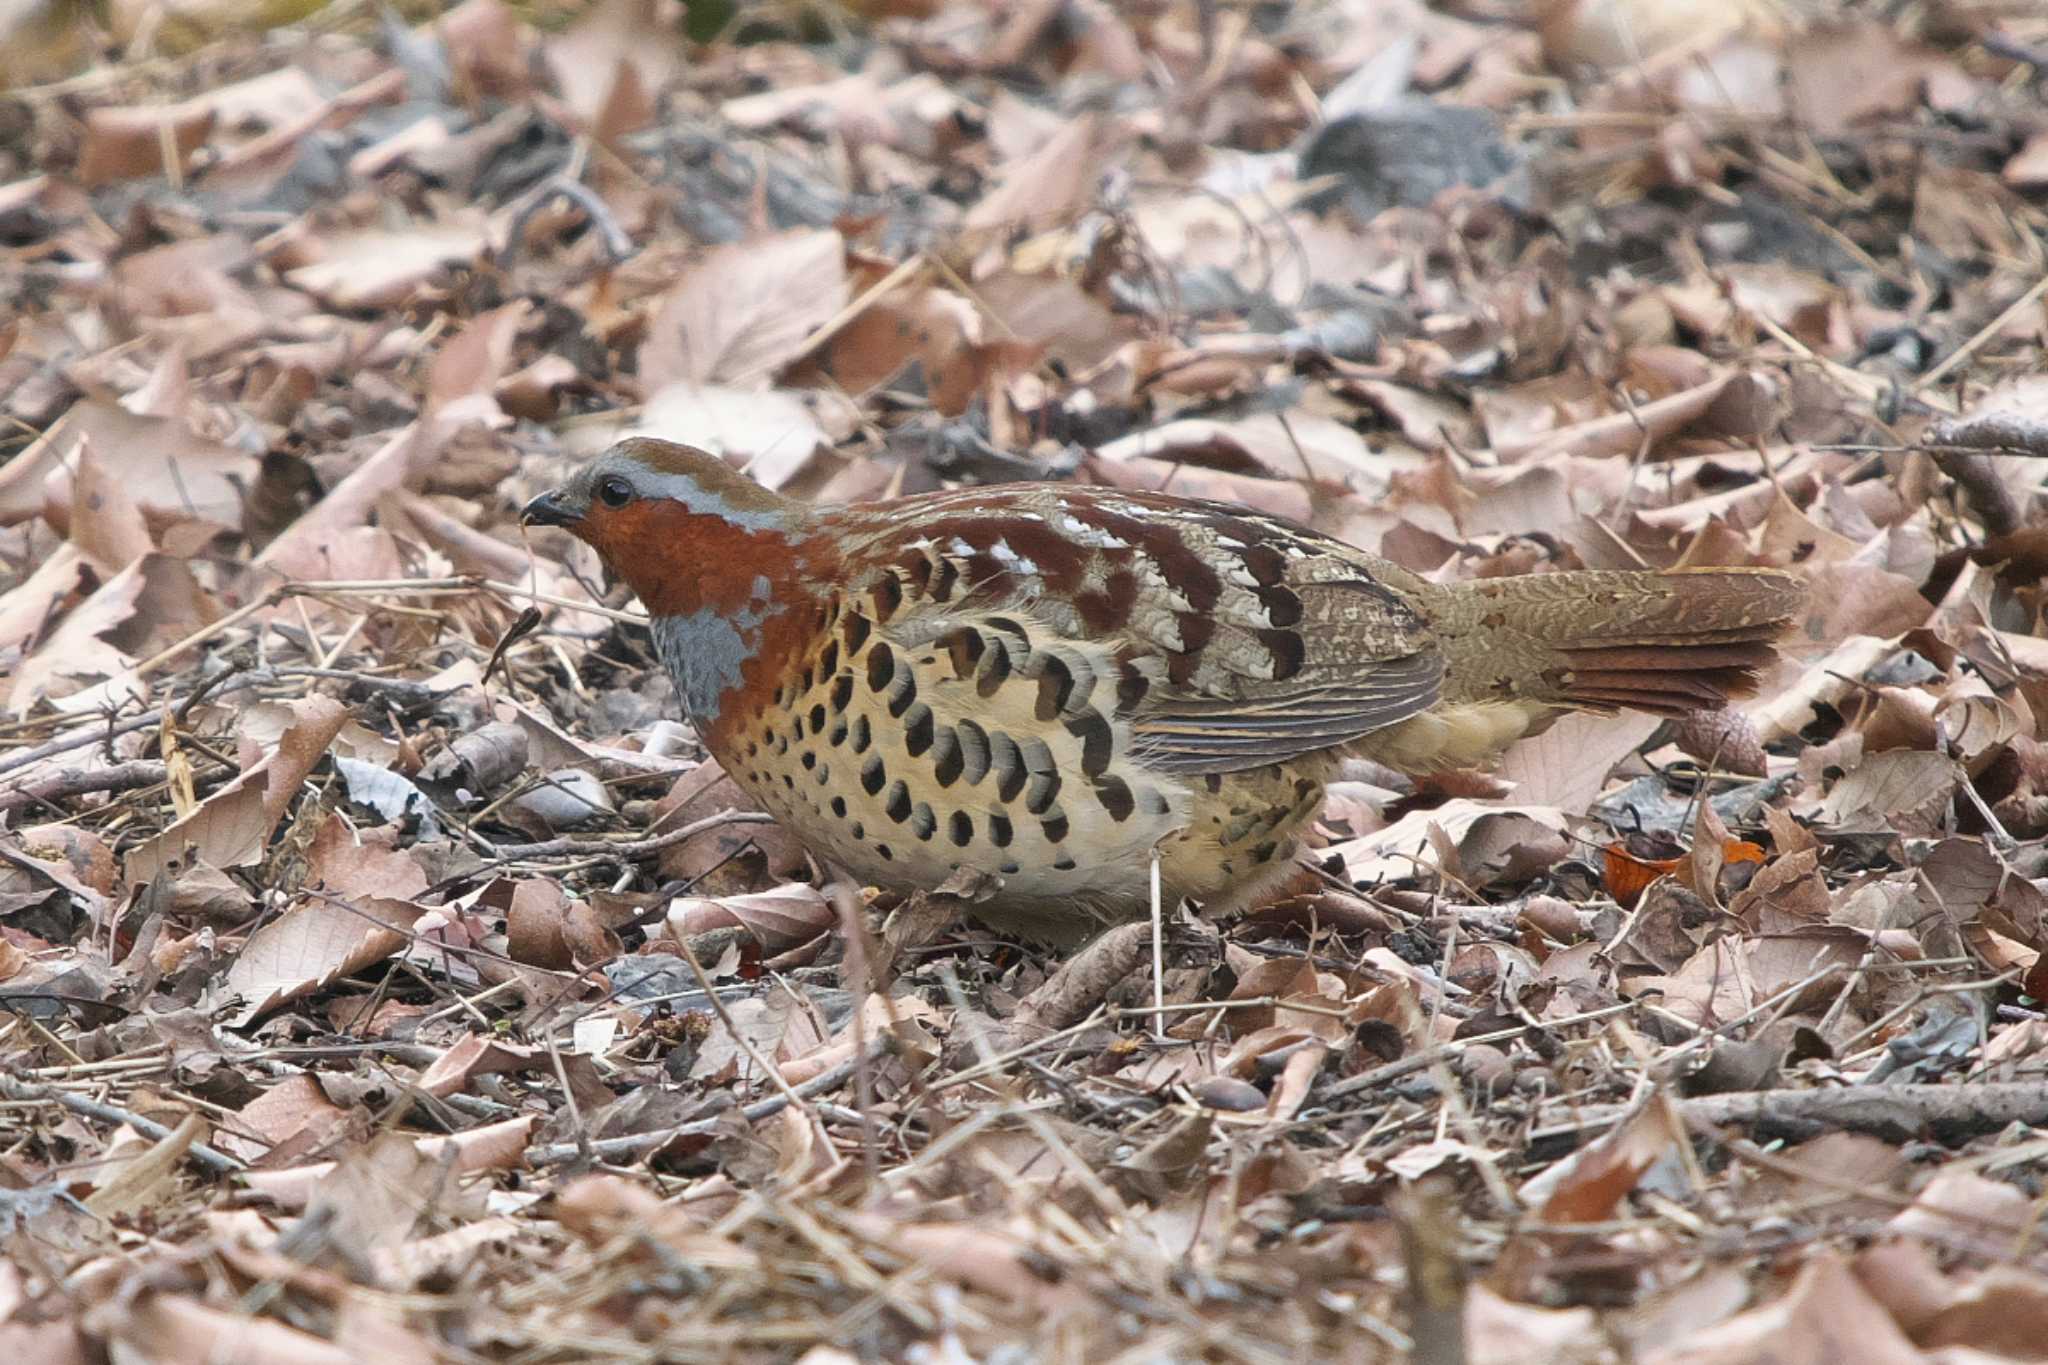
{"x": 1588, "y": 1186}
{"x": 125, "y": 143}
{"x": 742, "y": 312}
{"x": 382, "y": 267}
{"x": 1825, "y": 1315}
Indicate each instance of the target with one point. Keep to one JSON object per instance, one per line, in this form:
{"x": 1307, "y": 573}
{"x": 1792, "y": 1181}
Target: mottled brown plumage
{"x": 1046, "y": 683}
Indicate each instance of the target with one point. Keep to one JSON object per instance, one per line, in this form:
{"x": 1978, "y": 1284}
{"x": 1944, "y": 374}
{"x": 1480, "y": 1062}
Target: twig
{"x": 1894, "y": 1112}
{"x": 746, "y": 1044}
{"x": 629, "y": 848}
{"x": 640, "y": 1144}
{"x": 1429, "y": 1057}
{"x": 69, "y": 782}
{"x": 13, "y": 1088}
{"x": 1984, "y": 334}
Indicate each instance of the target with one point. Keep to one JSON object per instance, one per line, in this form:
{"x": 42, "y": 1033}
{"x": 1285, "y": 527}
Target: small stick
{"x": 220, "y": 1163}
{"x": 639, "y": 1144}
{"x": 1158, "y": 955}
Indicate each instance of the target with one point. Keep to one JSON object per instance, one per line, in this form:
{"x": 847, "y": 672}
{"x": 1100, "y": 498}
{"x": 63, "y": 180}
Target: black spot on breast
{"x": 808, "y": 681}
{"x": 810, "y": 760}
{"x": 1007, "y": 763}
{"x": 947, "y": 761}
{"x": 863, "y": 734}
{"x": 1055, "y": 686}
{"x": 1115, "y": 795}
{"x": 824, "y": 773}
{"x": 854, "y": 630}
{"x": 859, "y": 831}
{"x": 965, "y": 647}
{"x": 1214, "y": 782}
{"x": 781, "y": 745}
{"x": 943, "y": 580}
{"x": 1131, "y": 687}
{"x": 1097, "y": 741}
{"x": 842, "y": 691}
{"x": 1055, "y": 828}
{"x": 1064, "y": 864}
{"x": 1045, "y": 776}
{"x": 828, "y": 659}
{"x": 922, "y": 822}
{"x": 789, "y": 781}
{"x": 1000, "y": 831}
{"x": 839, "y": 806}
{"x": 917, "y": 730}
{"x": 838, "y": 735}
{"x": 996, "y": 671}
{"x": 960, "y": 829}
{"x": 897, "y": 807}
{"x": 888, "y": 597}
{"x": 886, "y": 854}
{"x": 974, "y": 751}
{"x": 1044, "y": 787}
{"x": 873, "y": 774}
{"x": 796, "y": 727}
{"x": 881, "y": 666}
{"x": 1152, "y": 801}
{"x": 903, "y": 693}
{"x": 1287, "y": 648}
{"x": 818, "y": 719}
{"x": 1009, "y": 868}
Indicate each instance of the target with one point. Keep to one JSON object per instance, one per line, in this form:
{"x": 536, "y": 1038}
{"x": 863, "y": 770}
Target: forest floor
{"x": 384, "y": 975}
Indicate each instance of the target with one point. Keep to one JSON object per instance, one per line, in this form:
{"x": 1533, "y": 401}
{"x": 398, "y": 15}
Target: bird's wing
{"x": 1195, "y": 637}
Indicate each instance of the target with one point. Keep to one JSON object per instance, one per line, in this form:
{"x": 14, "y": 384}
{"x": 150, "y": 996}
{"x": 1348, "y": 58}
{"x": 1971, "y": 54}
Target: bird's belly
{"x": 908, "y": 837}
{"x": 1219, "y": 842}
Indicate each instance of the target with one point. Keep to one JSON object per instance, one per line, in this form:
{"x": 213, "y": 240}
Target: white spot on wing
{"x": 1094, "y": 537}
{"x": 1011, "y": 560}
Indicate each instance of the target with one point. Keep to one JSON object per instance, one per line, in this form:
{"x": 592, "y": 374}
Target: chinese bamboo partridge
{"x": 1047, "y": 683}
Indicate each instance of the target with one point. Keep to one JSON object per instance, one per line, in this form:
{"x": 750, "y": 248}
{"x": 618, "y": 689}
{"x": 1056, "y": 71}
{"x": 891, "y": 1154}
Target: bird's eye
{"x": 614, "y": 492}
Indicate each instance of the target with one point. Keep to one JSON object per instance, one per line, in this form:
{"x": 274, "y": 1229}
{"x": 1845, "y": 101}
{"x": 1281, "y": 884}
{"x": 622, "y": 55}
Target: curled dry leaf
{"x": 781, "y": 918}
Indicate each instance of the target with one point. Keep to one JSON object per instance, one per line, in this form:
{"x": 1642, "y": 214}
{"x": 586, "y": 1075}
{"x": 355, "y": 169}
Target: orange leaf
{"x": 1625, "y": 875}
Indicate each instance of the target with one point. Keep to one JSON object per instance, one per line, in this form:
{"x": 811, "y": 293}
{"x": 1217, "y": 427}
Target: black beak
{"x": 547, "y": 510}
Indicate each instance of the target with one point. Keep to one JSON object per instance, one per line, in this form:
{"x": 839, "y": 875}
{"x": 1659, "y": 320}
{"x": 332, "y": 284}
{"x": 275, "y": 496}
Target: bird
{"x": 1044, "y": 687}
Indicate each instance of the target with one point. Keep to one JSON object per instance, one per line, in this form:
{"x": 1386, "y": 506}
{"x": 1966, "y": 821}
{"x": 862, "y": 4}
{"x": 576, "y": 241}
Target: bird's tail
{"x": 1667, "y": 643}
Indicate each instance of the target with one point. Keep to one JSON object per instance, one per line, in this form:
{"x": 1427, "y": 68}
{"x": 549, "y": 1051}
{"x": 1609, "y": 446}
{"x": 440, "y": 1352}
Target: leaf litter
{"x": 376, "y": 978}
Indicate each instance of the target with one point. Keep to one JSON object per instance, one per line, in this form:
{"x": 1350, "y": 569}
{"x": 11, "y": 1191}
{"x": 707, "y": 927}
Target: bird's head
{"x": 684, "y": 529}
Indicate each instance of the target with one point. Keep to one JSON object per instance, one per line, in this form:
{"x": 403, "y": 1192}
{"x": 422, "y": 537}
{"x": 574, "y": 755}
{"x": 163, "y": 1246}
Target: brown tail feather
{"x": 1667, "y": 643}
